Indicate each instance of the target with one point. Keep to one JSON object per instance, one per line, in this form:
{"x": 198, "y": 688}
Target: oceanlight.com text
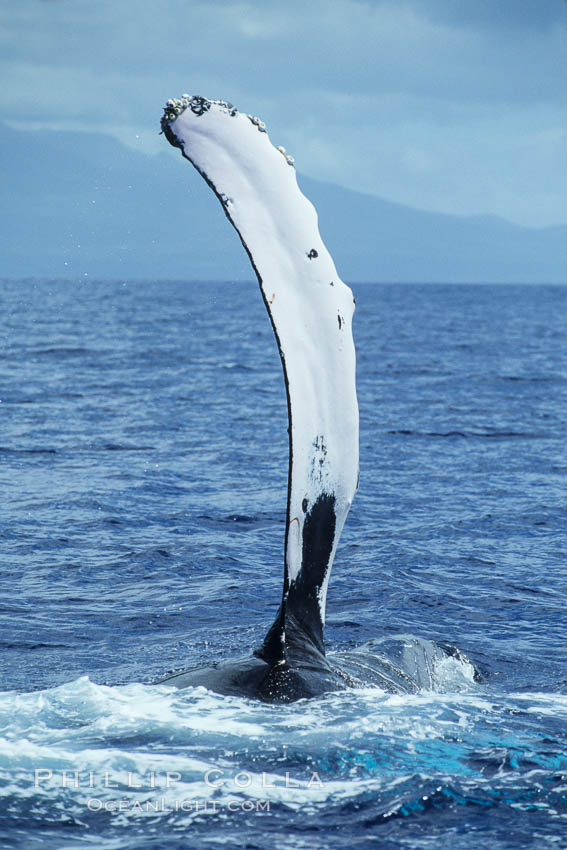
{"x": 161, "y": 804}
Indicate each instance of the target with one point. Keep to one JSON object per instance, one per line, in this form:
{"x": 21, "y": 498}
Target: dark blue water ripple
{"x": 143, "y": 472}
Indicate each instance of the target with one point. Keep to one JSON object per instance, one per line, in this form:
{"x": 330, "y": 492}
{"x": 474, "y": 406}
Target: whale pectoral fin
{"x": 311, "y": 311}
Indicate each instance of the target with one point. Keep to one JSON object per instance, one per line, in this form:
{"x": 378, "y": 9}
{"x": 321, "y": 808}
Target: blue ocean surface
{"x": 143, "y": 475}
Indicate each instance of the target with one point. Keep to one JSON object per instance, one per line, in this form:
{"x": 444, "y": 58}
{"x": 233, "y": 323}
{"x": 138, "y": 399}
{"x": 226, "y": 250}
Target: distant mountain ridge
{"x": 81, "y": 203}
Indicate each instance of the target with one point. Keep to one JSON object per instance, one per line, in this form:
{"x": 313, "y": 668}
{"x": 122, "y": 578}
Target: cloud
{"x": 505, "y": 15}
{"x": 450, "y": 106}
{"x": 473, "y": 160}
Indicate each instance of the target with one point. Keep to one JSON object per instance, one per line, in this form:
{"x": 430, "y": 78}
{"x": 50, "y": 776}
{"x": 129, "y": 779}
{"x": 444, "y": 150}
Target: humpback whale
{"x": 311, "y": 310}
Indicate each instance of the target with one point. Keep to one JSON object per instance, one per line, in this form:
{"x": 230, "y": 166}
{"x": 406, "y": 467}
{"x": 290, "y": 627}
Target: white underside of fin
{"x": 310, "y": 307}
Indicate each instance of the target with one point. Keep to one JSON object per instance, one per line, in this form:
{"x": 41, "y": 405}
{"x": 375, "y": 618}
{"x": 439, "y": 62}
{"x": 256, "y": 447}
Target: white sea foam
{"x": 153, "y": 747}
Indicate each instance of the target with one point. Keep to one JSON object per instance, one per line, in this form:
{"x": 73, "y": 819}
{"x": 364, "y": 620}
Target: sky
{"x": 454, "y": 106}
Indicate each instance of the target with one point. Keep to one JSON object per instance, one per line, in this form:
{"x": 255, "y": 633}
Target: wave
{"x": 149, "y": 761}
{"x": 35, "y": 451}
{"x": 483, "y": 434}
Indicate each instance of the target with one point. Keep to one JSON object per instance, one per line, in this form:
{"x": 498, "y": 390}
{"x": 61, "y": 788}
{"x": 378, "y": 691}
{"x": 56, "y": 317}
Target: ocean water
{"x": 143, "y": 470}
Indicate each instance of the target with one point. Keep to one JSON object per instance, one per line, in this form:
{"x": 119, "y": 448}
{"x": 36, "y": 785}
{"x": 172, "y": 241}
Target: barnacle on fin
{"x": 257, "y": 123}
{"x": 288, "y": 157}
